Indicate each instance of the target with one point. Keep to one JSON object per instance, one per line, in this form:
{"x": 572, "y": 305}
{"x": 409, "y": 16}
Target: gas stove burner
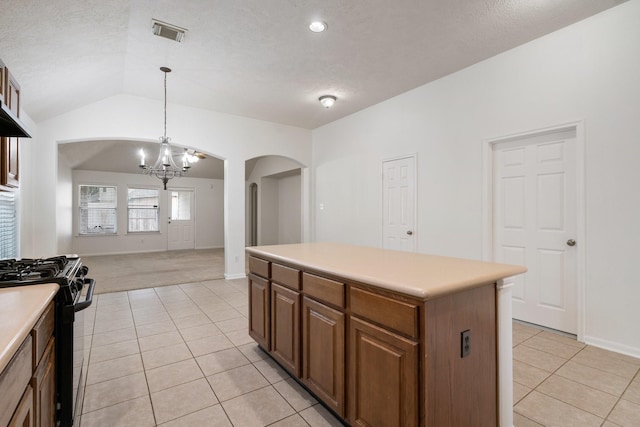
{"x": 28, "y": 269}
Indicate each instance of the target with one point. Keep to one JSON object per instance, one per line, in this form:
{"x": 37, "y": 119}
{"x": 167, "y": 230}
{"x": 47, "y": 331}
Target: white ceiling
{"x": 257, "y": 58}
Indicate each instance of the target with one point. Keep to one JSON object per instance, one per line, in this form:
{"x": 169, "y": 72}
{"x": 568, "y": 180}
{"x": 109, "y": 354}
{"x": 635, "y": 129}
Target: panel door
{"x": 181, "y": 219}
{"x": 398, "y": 204}
{"x": 285, "y": 327}
{"x": 535, "y": 216}
{"x": 323, "y": 330}
{"x": 383, "y": 388}
{"x": 259, "y": 318}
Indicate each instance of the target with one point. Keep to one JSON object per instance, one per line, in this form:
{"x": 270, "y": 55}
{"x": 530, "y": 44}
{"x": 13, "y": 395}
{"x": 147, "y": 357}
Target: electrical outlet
{"x": 465, "y": 343}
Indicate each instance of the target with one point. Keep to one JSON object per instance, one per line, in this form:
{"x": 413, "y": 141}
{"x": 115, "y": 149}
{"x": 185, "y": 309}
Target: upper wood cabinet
{"x": 9, "y": 162}
{"x": 2, "y": 78}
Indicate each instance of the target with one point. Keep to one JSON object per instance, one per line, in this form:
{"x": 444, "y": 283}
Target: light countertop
{"x": 20, "y": 309}
{"x": 418, "y": 275}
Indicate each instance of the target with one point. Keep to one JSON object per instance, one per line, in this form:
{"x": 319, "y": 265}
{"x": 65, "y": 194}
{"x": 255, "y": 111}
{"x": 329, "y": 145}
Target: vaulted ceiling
{"x": 257, "y": 58}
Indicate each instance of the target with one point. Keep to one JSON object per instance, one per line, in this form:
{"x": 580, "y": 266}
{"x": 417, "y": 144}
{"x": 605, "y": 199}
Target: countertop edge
{"x": 434, "y": 292}
{"x": 7, "y": 350}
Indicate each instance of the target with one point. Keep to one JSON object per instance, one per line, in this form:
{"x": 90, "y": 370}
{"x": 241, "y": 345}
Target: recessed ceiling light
{"x": 327, "y": 100}
{"x": 318, "y": 26}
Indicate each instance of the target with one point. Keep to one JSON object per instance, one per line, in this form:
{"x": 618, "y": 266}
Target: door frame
{"x": 487, "y": 205}
{"x": 414, "y": 158}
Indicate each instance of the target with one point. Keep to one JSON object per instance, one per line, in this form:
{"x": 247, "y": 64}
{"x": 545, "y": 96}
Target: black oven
{"x": 75, "y": 295}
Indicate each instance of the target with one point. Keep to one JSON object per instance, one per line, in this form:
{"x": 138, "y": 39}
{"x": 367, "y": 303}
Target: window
{"x": 142, "y": 210}
{"x": 8, "y": 226}
{"x": 181, "y": 205}
{"x": 97, "y": 210}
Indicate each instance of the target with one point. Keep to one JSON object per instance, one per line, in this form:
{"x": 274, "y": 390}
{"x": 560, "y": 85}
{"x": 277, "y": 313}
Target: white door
{"x": 399, "y": 204}
{"x": 535, "y": 224}
{"x": 181, "y": 233}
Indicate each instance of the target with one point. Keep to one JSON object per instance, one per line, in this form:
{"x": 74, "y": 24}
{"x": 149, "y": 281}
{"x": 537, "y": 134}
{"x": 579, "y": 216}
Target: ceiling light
{"x": 318, "y": 26}
{"x": 165, "y": 167}
{"x": 327, "y": 100}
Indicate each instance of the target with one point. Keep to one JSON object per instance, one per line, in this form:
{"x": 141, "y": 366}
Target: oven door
{"x": 70, "y": 351}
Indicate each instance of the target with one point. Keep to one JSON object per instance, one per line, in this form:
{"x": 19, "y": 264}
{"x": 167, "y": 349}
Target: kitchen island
{"x": 387, "y": 338}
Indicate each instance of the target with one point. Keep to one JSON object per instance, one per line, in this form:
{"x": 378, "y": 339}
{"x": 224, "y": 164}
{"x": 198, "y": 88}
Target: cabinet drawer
{"x": 42, "y": 331}
{"x": 14, "y": 379}
{"x": 326, "y": 290}
{"x": 285, "y": 276}
{"x": 398, "y": 315}
{"x": 259, "y": 266}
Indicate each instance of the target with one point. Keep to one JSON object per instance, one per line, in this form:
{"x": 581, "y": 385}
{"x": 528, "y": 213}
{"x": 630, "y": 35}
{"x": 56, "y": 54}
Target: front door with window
{"x": 181, "y": 219}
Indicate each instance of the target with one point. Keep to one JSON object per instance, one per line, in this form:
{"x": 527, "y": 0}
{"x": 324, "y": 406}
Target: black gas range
{"x": 69, "y": 273}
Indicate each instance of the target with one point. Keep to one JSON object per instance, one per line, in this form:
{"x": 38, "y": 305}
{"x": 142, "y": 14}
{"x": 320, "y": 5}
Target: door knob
{"x": 409, "y": 232}
{"x": 571, "y": 242}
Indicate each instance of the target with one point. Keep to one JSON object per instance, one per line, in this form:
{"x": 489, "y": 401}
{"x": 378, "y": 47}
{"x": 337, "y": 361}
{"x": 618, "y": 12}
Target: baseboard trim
{"x": 146, "y": 251}
{"x": 612, "y": 346}
{"x": 234, "y": 276}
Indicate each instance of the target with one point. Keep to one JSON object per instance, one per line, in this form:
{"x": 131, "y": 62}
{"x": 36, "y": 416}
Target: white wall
{"x": 268, "y": 211}
{"x": 209, "y": 219}
{"x": 232, "y": 138}
{"x": 289, "y": 213}
{"x": 588, "y": 71}
{"x": 65, "y": 210}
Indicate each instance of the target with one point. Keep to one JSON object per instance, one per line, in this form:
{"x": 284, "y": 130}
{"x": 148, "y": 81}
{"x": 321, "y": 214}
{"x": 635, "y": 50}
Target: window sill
{"x": 142, "y": 233}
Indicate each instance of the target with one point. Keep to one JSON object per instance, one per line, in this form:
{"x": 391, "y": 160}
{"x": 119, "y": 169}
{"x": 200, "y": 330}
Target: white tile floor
{"x": 181, "y": 356}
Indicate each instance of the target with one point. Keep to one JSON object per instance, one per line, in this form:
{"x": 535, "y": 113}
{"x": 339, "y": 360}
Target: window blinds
{"x": 8, "y": 226}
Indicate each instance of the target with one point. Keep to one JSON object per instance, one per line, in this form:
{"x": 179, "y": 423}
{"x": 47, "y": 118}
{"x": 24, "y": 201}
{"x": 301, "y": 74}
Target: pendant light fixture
{"x": 165, "y": 167}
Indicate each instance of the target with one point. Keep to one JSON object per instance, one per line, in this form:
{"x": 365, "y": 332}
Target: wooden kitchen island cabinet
{"x": 387, "y": 338}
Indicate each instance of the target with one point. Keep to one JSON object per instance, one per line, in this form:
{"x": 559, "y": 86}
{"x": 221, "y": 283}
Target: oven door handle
{"x": 89, "y": 298}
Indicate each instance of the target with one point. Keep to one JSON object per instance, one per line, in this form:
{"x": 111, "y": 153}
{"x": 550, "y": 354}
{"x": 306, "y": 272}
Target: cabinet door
{"x": 45, "y": 389}
{"x": 323, "y": 353}
{"x": 285, "y": 327}
{"x": 23, "y": 417}
{"x": 259, "y": 311}
{"x": 9, "y": 145}
{"x": 383, "y": 386}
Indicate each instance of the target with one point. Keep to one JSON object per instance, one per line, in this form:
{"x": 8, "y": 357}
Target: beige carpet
{"x": 136, "y": 271}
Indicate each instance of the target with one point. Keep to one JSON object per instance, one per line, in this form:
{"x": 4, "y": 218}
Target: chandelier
{"x": 165, "y": 167}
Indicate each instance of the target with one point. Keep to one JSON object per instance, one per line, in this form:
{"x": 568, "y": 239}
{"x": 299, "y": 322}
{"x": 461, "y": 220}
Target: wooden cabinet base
{"x": 45, "y": 388}
{"x": 383, "y": 380}
{"x": 376, "y": 357}
{"x": 285, "y": 328}
{"x": 259, "y": 319}
{"x": 23, "y": 417}
{"x": 323, "y": 353}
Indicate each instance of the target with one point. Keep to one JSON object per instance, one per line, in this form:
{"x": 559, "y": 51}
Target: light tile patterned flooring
{"x": 561, "y": 382}
{"x": 181, "y": 356}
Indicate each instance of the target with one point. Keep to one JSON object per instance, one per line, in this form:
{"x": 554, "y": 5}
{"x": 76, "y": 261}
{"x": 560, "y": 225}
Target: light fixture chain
{"x": 165, "y": 105}
{"x": 165, "y": 167}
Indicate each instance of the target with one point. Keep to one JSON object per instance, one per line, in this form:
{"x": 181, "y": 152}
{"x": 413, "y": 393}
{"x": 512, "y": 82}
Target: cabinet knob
{"x": 409, "y": 232}
{"x": 571, "y": 242}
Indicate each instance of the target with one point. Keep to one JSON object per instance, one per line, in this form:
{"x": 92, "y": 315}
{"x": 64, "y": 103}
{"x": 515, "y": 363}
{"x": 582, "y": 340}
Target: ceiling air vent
{"x": 168, "y": 31}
